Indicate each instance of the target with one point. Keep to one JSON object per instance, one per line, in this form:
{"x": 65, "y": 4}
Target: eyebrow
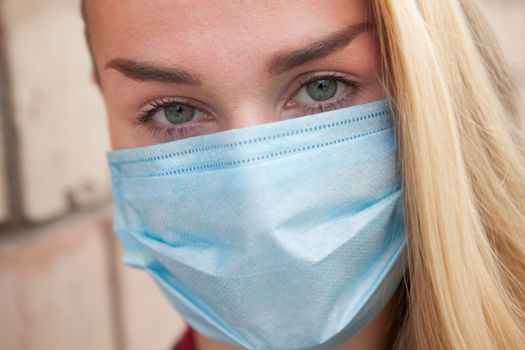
{"x": 144, "y": 71}
{"x": 280, "y": 63}
{"x": 316, "y": 50}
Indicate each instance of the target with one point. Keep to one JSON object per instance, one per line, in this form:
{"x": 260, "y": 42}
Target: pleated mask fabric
{"x": 286, "y": 235}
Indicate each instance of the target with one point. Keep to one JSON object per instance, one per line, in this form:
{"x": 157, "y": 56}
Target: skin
{"x": 238, "y": 56}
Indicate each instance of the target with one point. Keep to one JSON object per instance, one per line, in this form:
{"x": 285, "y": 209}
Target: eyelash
{"x": 188, "y": 129}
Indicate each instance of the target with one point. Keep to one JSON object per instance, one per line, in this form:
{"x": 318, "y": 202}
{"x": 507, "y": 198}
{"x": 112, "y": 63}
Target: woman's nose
{"x": 244, "y": 116}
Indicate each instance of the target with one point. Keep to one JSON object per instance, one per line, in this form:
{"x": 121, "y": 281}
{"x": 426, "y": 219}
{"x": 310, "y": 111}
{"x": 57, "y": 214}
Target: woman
{"x": 271, "y": 231}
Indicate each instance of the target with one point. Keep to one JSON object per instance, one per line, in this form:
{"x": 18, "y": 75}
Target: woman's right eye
{"x": 175, "y": 114}
{"x": 170, "y": 119}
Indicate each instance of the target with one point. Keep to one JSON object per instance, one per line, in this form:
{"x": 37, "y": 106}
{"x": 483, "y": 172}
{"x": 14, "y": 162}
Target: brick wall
{"x": 62, "y": 285}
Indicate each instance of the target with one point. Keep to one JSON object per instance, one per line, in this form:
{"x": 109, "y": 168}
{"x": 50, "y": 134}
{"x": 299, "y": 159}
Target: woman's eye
{"x": 175, "y": 114}
{"x": 322, "y": 90}
{"x": 325, "y": 91}
{"x": 170, "y": 119}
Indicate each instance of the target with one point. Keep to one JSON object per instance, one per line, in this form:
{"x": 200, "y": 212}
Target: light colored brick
{"x": 150, "y": 322}
{"x": 54, "y": 289}
{"x": 58, "y": 111}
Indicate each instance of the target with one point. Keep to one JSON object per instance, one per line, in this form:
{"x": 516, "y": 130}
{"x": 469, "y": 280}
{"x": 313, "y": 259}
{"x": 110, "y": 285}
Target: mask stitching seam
{"x": 251, "y": 160}
{"x": 251, "y": 141}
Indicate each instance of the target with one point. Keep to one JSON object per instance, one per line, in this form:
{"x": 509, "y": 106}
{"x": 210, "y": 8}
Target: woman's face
{"x": 175, "y": 69}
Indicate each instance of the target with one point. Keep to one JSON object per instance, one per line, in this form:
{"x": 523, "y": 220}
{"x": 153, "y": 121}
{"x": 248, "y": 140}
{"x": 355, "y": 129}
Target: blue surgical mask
{"x": 286, "y": 235}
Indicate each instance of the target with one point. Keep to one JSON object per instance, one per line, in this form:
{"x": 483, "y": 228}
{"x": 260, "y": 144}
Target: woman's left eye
{"x": 324, "y": 93}
{"x": 319, "y": 90}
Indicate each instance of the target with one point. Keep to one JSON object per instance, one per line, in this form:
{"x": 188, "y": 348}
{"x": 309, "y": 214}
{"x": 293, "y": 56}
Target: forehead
{"x": 199, "y": 31}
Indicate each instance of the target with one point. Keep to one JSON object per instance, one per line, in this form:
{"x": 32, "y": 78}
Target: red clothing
{"x": 186, "y": 342}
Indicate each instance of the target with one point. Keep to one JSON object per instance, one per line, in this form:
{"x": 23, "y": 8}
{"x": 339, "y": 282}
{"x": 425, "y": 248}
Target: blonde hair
{"x": 463, "y": 169}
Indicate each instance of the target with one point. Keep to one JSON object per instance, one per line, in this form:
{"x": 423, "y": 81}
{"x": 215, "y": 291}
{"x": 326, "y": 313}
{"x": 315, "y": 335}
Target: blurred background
{"x": 62, "y": 285}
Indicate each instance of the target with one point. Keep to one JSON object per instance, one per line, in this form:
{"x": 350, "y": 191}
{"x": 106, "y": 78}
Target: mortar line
{"x": 11, "y": 140}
